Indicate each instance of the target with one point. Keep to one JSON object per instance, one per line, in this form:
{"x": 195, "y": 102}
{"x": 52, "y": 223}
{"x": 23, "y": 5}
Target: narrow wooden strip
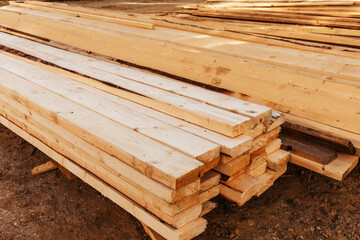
{"x": 46, "y": 167}
{"x": 337, "y": 169}
{"x": 234, "y": 166}
{"x": 273, "y": 146}
{"x": 209, "y": 194}
{"x": 278, "y": 159}
{"x": 209, "y": 180}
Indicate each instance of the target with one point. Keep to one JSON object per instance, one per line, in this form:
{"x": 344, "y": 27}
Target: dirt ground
{"x": 301, "y": 204}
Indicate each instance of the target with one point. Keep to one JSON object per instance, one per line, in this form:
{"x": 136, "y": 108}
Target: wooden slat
{"x": 209, "y": 180}
{"x": 278, "y": 159}
{"x": 337, "y": 169}
{"x": 234, "y": 166}
{"x": 209, "y": 194}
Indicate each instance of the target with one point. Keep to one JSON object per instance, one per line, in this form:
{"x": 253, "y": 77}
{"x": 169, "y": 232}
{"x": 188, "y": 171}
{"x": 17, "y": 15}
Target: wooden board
{"x": 307, "y": 147}
{"x": 338, "y": 169}
{"x": 234, "y": 166}
{"x": 278, "y": 160}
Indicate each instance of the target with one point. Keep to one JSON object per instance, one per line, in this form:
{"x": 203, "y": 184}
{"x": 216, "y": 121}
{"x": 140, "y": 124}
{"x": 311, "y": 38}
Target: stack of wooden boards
{"x": 310, "y": 84}
{"x": 147, "y": 142}
{"x": 254, "y": 171}
{"x": 319, "y": 13}
{"x": 325, "y": 26}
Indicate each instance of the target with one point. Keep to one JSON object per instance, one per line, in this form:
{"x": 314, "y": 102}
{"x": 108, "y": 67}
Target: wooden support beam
{"x": 337, "y": 169}
{"x": 43, "y": 168}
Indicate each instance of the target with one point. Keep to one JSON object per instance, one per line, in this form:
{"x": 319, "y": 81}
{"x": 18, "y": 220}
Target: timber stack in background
{"x": 163, "y": 147}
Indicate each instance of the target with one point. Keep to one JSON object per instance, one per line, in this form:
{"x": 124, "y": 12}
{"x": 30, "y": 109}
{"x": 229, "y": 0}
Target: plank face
{"x": 337, "y": 169}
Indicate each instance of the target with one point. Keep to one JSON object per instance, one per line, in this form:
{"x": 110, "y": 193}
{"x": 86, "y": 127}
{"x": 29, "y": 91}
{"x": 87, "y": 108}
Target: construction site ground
{"x": 300, "y": 205}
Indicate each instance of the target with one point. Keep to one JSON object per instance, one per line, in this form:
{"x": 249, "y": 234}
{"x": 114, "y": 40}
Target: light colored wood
{"x": 247, "y": 186}
{"x": 197, "y": 112}
{"x": 43, "y": 168}
{"x": 258, "y": 171}
{"x": 278, "y": 159}
{"x": 309, "y": 61}
{"x": 71, "y": 116}
{"x": 209, "y": 180}
{"x": 264, "y": 139}
{"x": 204, "y": 151}
{"x": 273, "y": 146}
{"x": 234, "y": 166}
{"x": 231, "y": 146}
{"x": 258, "y": 112}
{"x": 87, "y": 16}
{"x": 121, "y": 169}
{"x": 180, "y": 213}
{"x": 234, "y": 176}
{"x": 69, "y": 175}
{"x": 342, "y": 119}
{"x": 152, "y": 234}
{"x": 187, "y": 232}
{"x": 337, "y": 169}
{"x": 256, "y": 162}
{"x": 267, "y": 179}
{"x": 212, "y": 28}
{"x": 276, "y": 120}
{"x": 209, "y": 194}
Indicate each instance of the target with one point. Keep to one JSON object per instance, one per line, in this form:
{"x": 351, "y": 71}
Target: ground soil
{"x": 301, "y": 204}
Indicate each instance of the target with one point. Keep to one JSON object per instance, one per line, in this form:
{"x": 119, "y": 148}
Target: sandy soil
{"x": 301, "y": 204}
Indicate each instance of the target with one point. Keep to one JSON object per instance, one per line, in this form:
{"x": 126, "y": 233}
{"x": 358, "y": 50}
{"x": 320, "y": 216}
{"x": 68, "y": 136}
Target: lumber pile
{"x": 255, "y": 171}
{"x": 286, "y": 78}
{"x": 317, "y": 13}
{"x": 149, "y": 143}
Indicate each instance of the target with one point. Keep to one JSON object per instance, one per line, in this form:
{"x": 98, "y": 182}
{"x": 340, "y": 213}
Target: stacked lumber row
{"x": 255, "y": 171}
{"x": 324, "y": 13}
{"x": 290, "y": 81}
{"x": 152, "y": 139}
{"x": 249, "y": 70}
{"x": 319, "y": 26}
